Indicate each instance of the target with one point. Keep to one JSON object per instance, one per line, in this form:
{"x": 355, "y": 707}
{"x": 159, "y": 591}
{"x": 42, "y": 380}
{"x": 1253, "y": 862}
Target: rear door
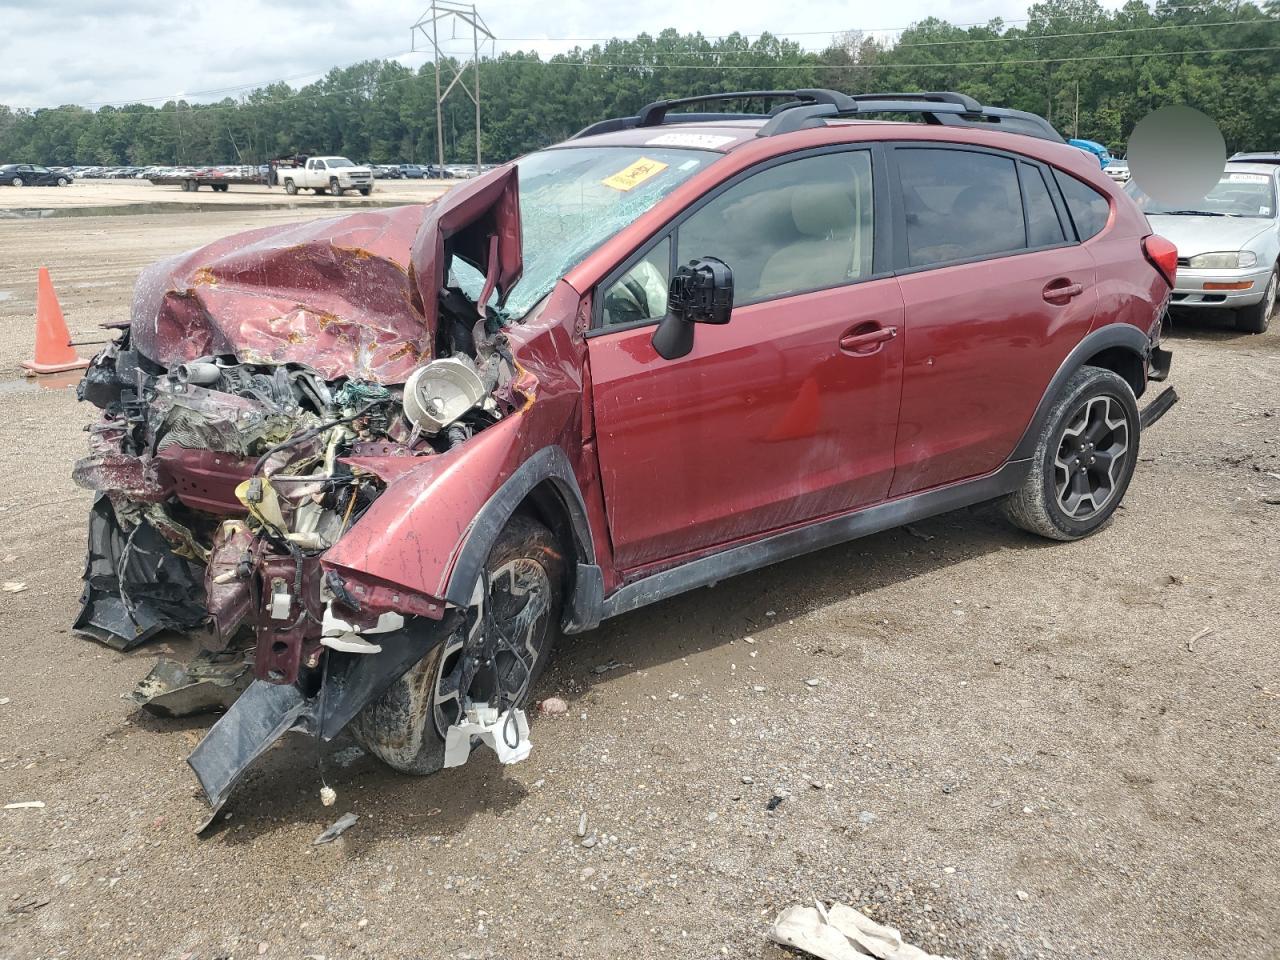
{"x": 781, "y": 416}
{"x": 996, "y": 291}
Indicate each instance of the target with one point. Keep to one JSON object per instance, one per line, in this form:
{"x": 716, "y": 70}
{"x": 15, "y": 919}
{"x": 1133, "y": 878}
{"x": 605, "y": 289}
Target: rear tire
{"x": 17, "y": 182}
{"x": 1083, "y": 461}
{"x": 1256, "y": 318}
{"x": 405, "y": 727}
{"x": 290, "y": 187}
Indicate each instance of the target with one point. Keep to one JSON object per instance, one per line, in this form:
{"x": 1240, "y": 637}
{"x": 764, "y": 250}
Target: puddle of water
{"x": 137, "y": 209}
{"x": 50, "y": 381}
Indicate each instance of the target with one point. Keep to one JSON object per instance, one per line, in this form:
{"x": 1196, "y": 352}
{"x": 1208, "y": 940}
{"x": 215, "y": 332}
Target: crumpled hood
{"x": 339, "y": 294}
{"x": 1196, "y": 235}
{"x": 333, "y": 293}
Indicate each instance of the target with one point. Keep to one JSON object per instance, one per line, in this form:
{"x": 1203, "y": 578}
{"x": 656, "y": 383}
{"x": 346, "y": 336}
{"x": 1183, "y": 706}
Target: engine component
{"x": 439, "y": 393}
{"x": 201, "y": 373}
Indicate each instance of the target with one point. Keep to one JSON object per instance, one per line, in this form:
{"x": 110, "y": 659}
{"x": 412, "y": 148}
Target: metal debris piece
{"x": 336, "y": 829}
{"x": 918, "y": 534}
{"x": 25, "y": 805}
{"x": 211, "y": 681}
{"x": 841, "y": 933}
{"x": 12, "y": 586}
{"x": 606, "y": 667}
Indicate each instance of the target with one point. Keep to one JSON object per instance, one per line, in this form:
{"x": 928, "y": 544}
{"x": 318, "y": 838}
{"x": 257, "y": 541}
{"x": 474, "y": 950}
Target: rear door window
{"x": 1043, "y": 226}
{"x": 1088, "y": 208}
{"x": 959, "y": 205}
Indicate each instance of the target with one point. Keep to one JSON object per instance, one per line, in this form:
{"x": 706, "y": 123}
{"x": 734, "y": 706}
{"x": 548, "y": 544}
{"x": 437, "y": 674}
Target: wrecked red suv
{"x": 376, "y": 462}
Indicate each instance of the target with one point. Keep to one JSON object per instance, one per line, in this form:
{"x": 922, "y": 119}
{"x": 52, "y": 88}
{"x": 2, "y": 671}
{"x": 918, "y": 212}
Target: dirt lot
{"x": 133, "y": 194}
{"x": 1014, "y": 749}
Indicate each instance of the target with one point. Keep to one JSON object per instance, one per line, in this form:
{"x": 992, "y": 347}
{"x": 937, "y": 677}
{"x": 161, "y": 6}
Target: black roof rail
{"x": 807, "y": 108}
{"x": 945, "y": 108}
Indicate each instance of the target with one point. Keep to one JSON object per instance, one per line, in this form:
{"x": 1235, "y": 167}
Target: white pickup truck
{"x": 326, "y": 175}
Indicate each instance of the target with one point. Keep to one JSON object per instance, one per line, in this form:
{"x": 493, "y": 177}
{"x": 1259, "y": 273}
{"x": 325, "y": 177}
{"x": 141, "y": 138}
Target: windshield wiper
{"x": 1193, "y": 213}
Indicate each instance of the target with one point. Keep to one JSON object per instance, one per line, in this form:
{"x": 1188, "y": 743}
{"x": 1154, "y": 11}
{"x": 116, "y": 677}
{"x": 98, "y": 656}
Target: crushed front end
{"x": 266, "y": 393}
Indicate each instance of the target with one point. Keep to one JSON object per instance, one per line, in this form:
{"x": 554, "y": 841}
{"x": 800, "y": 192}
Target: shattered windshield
{"x": 574, "y": 199}
{"x": 1238, "y": 194}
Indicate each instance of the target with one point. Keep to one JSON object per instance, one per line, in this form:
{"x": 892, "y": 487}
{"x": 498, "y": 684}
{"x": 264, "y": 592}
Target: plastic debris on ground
{"x": 337, "y": 829}
{"x": 841, "y": 933}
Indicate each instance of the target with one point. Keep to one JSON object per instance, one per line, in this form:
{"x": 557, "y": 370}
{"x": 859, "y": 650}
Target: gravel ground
{"x": 1012, "y": 748}
{"x": 93, "y": 195}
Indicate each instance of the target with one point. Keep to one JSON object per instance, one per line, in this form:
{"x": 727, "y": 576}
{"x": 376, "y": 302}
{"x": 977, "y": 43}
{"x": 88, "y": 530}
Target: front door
{"x": 785, "y": 414}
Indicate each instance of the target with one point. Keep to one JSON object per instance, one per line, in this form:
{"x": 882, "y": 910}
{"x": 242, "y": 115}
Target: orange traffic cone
{"x": 54, "y": 352}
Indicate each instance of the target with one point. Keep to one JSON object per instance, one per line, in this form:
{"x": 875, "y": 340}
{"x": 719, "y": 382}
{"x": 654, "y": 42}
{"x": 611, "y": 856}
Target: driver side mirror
{"x": 700, "y": 292}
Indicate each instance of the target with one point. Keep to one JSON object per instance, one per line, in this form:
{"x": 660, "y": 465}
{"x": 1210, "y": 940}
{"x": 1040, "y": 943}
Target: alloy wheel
{"x": 517, "y": 610}
{"x": 1269, "y": 298}
{"x": 1091, "y": 457}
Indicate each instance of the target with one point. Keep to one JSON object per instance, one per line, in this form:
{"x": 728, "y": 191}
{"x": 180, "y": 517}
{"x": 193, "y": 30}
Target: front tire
{"x": 405, "y": 727}
{"x": 334, "y": 188}
{"x": 1257, "y": 317}
{"x": 1083, "y": 461}
{"x": 62, "y": 181}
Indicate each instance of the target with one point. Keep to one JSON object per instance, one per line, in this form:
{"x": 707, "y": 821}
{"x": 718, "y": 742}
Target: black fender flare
{"x": 1112, "y": 335}
{"x": 551, "y": 463}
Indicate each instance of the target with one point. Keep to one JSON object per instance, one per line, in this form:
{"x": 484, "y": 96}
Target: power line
{"x": 586, "y": 63}
{"x": 1020, "y": 38}
{"x": 817, "y": 33}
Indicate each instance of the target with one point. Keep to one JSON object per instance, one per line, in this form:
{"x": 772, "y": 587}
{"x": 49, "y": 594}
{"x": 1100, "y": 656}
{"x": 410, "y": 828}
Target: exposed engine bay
{"x": 223, "y": 482}
{"x": 268, "y": 390}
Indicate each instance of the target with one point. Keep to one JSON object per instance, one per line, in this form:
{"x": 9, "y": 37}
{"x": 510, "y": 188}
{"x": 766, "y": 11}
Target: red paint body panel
{"x": 334, "y": 294}
{"x": 765, "y": 423}
{"x": 412, "y": 533}
{"x": 981, "y": 345}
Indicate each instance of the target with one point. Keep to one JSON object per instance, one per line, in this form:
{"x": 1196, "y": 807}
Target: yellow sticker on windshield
{"x": 634, "y": 175}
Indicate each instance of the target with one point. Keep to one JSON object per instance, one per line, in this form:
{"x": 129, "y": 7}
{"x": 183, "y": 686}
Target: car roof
{"x": 1244, "y": 166}
{"x": 728, "y": 136}
{"x": 1272, "y": 156}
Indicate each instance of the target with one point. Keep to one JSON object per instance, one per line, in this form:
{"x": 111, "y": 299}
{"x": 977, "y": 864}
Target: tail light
{"x": 1163, "y": 256}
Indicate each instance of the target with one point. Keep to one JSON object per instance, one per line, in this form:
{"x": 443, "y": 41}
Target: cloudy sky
{"x": 109, "y": 51}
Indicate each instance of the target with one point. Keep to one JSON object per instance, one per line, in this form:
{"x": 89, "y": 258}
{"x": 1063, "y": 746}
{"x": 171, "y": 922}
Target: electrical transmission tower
{"x": 447, "y": 13}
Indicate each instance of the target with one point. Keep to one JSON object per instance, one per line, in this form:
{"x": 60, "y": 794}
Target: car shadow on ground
{"x": 1205, "y": 325}
{"x": 281, "y": 791}
{"x": 709, "y": 617}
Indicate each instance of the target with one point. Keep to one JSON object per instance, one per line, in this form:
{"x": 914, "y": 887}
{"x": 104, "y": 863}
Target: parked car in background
{"x": 411, "y": 171}
{"x": 31, "y": 175}
{"x": 1097, "y": 149}
{"x": 1228, "y": 244}
{"x": 395, "y": 522}
{"x": 1266, "y": 156}
{"x": 1117, "y": 170}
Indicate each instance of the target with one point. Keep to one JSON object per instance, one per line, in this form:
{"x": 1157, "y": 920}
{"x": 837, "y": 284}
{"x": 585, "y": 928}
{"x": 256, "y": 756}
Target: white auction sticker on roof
{"x": 706, "y": 140}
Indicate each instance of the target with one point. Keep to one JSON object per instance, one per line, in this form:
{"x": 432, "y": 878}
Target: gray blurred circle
{"x": 1176, "y": 155}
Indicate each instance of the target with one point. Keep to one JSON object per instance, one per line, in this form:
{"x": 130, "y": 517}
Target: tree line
{"x": 1092, "y": 72}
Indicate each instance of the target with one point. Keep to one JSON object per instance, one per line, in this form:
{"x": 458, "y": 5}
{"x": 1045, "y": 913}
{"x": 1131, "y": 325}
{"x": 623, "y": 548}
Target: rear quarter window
{"x": 1089, "y": 209}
